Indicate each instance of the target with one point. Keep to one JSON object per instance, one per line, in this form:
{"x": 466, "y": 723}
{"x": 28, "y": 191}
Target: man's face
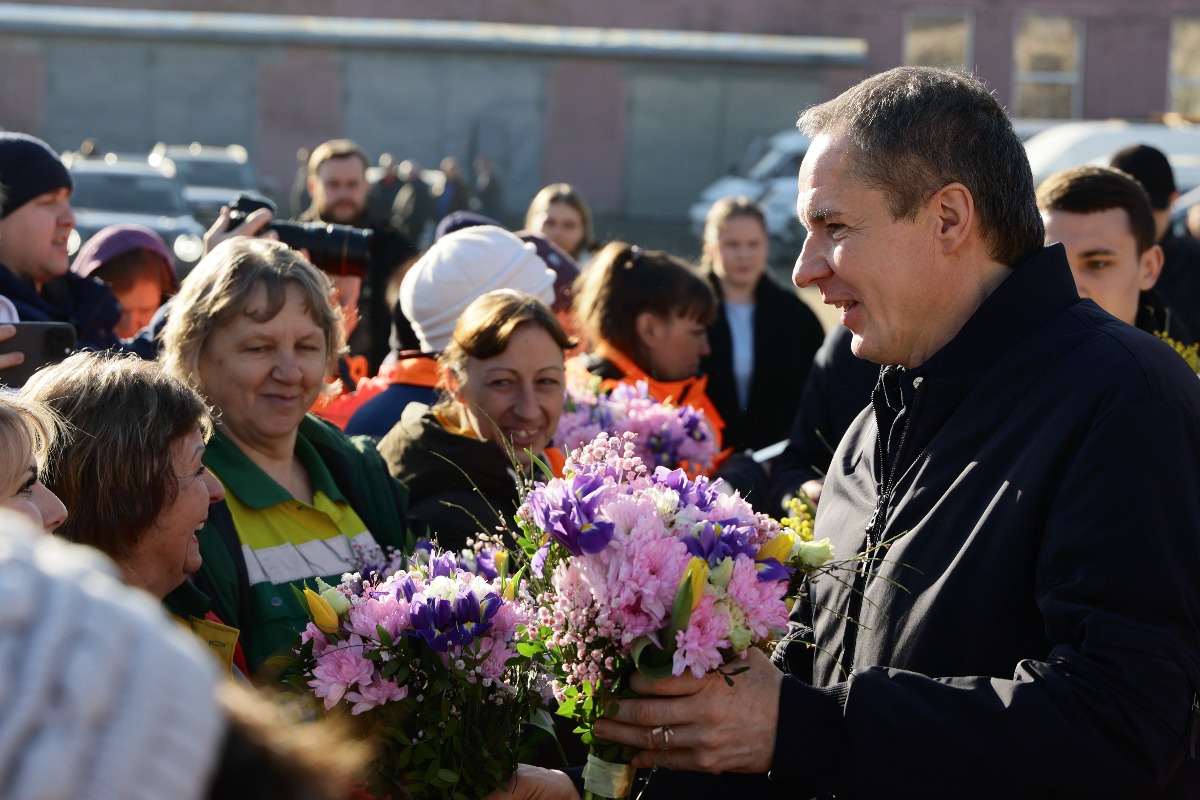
{"x": 339, "y": 190}
{"x": 882, "y": 273}
{"x": 1104, "y": 258}
{"x": 33, "y": 239}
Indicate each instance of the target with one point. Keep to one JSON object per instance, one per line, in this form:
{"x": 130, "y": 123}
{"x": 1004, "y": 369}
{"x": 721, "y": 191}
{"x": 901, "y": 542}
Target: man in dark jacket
{"x": 337, "y": 180}
{"x": 1179, "y": 283}
{"x": 1103, "y": 218}
{"x": 1020, "y": 618}
{"x": 36, "y": 221}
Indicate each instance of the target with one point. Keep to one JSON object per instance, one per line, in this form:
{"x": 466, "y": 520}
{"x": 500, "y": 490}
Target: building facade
{"x": 638, "y": 103}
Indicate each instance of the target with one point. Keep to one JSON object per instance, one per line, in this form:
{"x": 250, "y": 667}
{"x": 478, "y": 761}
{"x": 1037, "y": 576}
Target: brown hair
{"x": 625, "y": 281}
{"x": 219, "y": 288}
{"x": 115, "y": 475}
{"x": 1086, "y": 189}
{"x": 722, "y": 211}
{"x": 568, "y": 195}
{"x": 486, "y": 326}
{"x": 26, "y": 427}
{"x": 335, "y": 148}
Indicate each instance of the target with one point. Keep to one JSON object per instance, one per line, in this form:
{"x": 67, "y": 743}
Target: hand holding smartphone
{"x": 40, "y": 343}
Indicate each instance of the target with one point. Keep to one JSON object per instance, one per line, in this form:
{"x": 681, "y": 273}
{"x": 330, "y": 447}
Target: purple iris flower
{"x": 444, "y": 623}
{"x": 539, "y": 559}
{"x": 443, "y": 566}
{"x": 717, "y": 541}
{"x": 770, "y": 569}
{"x": 569, "y": 516}
{"x": 698, "y": 493}
{"x": 405, "y": 587}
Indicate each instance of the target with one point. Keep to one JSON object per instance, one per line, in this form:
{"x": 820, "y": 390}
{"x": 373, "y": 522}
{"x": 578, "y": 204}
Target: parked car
{"x": 770, "y": 179}
{"x": 114, "y": 189}
{"x": 211, "y": 176}
{"x": 1093, "y": 142}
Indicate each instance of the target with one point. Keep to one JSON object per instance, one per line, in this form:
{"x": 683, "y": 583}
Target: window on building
{"x": 1048, "y": 65}
{"x": 938, "y": 38}
{"x": 1185, "y": 65}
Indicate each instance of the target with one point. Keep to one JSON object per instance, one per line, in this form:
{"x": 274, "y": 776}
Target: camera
{"x": 335, "y": 249}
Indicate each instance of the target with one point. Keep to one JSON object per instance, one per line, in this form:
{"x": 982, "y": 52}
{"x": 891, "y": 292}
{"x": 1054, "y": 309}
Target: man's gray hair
{"x": 914, "y": 130}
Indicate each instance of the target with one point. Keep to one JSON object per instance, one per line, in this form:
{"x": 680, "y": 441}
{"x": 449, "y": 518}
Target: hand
{"x": 13, "y": 358}
{"x": 252, "y": 226}
{"x": 714, "y": 727}
{"x": 535, "y": 783}
{"x": 812, "y": 489}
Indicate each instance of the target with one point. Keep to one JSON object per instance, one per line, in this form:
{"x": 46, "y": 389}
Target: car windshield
{"x": 775, "y": 163}
{"x": 131, "y": 194}
{"x": 212, "y": 172}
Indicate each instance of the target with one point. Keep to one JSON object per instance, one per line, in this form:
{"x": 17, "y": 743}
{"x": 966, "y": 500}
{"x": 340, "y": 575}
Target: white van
{"x": 1073, "y": 143}
{"x": 770, "y": 179}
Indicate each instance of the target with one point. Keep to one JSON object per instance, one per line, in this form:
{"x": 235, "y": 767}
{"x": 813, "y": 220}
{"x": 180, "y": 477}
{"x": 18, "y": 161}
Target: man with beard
{"x": 337, "y": 181}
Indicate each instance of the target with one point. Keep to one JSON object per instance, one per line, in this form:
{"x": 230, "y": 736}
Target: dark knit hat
{"x": 28, "y": 169}
{"x": 118, "y": 240}
{"x": 566, "y": 270}
{"x": 1151, "y": 169}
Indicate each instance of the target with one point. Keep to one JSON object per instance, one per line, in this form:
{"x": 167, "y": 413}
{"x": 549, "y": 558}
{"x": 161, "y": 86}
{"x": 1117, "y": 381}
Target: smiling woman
{"x": 254, "y": 330}
{"x": 503, "y": 381}
{"x": 133, "y": 476}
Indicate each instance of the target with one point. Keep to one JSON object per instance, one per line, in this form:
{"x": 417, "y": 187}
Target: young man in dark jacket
{"x": 36, "y": 221}
{"x": 1023, "y": 615}
{"x": 1104, "y": 220}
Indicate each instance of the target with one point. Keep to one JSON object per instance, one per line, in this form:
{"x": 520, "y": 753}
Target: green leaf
{"x": 385, "y": 638}
{"x": 448, "y": 775}
{"x": 681, "y": 614}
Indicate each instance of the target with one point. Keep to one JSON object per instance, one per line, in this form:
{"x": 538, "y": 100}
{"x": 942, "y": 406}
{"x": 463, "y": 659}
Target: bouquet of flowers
{"x": 667, "y": 435}
{"x": 652, "y": 571}
{"x": 424, "y": 660}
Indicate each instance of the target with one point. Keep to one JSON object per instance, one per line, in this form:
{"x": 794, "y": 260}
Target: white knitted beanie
{"x": 462, "y": 266}
{"x": 101, "y": 695}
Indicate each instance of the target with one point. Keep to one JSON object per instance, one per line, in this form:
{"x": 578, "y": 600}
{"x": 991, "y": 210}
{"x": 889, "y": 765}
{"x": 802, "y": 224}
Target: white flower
{"x": 443, "y": 588}
{"x": 722, "y": 573}
{"x": 337, "y": 601}
{"x": 815, "y": 554}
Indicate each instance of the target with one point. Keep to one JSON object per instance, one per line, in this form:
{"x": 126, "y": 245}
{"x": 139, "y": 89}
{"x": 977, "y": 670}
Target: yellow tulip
{"x": 501, "y": 560}
{"x": 510, "y": 589}
{"x": 778, "y": 548}
{"x": 697, "y": 573}
{"x": 322, "y": 613}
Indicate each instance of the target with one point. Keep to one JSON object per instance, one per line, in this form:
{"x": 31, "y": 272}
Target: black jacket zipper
{"x": 874, "y": 528}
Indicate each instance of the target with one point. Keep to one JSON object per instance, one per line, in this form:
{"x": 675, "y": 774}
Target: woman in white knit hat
{"x": 503, "y": 379}
{"x": 458, "y": 268}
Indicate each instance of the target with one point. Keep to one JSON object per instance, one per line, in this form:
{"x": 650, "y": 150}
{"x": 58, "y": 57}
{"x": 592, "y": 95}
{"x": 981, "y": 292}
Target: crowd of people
{"x": 1004, "y": 427}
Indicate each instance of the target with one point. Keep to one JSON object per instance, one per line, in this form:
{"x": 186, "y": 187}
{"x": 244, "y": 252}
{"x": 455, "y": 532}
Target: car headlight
{"x": 74, "y": 241}
{"x": 188, "y": 247}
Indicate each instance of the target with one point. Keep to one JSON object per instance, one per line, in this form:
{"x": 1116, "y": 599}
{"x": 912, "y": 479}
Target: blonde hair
{"x": 219, "y": 289}
{"x": 26, "y": 428}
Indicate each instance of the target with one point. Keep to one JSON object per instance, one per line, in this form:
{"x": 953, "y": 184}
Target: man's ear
{"x": 311, "y": 183}
{"x": 953, "y": 208}
{"x": 1150, "y": 264}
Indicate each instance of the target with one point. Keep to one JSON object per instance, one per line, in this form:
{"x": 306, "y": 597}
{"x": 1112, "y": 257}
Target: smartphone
{"x": 42, "y": 343}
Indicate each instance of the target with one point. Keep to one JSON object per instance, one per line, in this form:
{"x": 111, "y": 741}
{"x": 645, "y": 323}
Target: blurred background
{"x": 652, "y": 109}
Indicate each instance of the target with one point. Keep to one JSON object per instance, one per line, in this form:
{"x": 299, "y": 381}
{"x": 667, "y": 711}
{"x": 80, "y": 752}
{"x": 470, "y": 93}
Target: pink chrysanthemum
{"x": 339, "y": 669}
